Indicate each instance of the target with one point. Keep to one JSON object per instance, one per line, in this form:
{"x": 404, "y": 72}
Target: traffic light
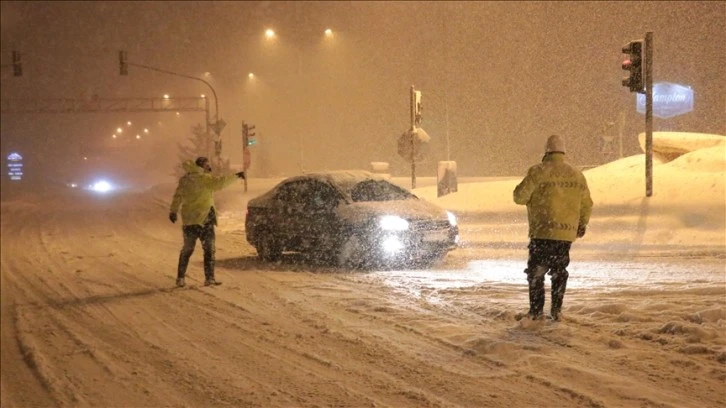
{"x": 247, "y": 137}
{"x": 17, "y": 64}
{"x": 634, "y": 65}
{"x": 123, "y": 64}
{"x": 251, "y": 136}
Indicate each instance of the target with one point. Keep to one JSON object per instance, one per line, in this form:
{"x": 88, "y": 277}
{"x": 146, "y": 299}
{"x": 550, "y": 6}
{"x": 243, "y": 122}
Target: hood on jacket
{"x": 190, "y": 167}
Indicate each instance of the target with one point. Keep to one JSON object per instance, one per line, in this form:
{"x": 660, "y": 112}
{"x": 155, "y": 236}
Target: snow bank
{"x": 688, "y": 205}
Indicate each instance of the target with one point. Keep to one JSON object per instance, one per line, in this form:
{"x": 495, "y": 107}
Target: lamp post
{"x": 270, "y": 34}
{"x": 218, "y": 124}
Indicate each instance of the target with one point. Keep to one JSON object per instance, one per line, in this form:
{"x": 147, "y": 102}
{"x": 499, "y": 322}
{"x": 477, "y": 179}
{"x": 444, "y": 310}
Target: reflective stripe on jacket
{"x": 557, "y": 199}
{"x": 195, "y": 193}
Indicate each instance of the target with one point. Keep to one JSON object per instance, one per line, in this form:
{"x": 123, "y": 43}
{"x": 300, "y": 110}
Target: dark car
{"x": 355, "y": 218}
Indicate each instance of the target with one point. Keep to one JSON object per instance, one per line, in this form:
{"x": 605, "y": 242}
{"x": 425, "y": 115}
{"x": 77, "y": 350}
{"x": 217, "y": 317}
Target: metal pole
{"x": 446, "y": 82}
{"x": 649, "y": 114}
{"x": 413, "y": 135}
{"x": 299, "y": 76}
{"x": 620, "y": 134}
{"x": 214, "y": 93}
{"x": 206, "y": 116}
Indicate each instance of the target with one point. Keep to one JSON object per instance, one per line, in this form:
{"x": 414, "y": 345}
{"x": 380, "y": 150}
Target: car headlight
{"x": 452, "y": 218}
{"x": 393, "y": 223}
{"x": 101, "y": 186}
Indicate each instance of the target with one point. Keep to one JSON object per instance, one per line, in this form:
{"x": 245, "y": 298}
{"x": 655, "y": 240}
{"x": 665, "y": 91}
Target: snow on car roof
{"x": 344, "y": 179}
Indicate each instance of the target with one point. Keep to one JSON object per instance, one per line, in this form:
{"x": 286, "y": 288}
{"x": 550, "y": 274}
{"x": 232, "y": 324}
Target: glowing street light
{"x": 128, "y": 123}
{"x": 119, "y": 130}
{"x": 203, "y": 96}
{"x": 166, "y": 96}
{"x": 113, "y": 136}
{"x": 138, "y": 136}
{"x": 177, "y": 114}
{"x": 270, "y": 33}
{"x": 250, "y": 75}
{"x": 328, "y": 32}
{"x": 146, "y": 130}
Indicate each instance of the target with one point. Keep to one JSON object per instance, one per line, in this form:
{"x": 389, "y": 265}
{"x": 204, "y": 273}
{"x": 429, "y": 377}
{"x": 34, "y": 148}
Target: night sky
{"x": 508, "y": 74}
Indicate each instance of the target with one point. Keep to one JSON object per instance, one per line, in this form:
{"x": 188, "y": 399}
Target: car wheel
{"x": 268, "y": 249}
{"x": 351, "y": 252}
{"x": 435, "y": 257}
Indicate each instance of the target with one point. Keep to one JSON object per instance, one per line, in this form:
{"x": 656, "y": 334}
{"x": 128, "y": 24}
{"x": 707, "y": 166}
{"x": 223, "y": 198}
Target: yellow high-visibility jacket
{"x": 195, "y": 193}
{"x": 557, "y": 199}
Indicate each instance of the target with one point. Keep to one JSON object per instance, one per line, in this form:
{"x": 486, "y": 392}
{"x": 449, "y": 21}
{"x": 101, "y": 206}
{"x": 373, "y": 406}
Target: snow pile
{"x": 688, "y": 205}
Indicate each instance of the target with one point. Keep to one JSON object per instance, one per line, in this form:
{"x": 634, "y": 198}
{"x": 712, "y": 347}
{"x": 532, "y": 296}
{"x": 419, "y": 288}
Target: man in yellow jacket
{"x": 558, "y": 209}
{"x": 195, "y": 195}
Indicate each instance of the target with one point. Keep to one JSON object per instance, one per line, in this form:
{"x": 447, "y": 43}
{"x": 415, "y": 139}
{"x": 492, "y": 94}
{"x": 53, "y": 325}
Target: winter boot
{"x": 211, "y": 282}
{"x": 559, "y": 285}
{"x": 180, "y": 282}
{"x": 536, "y": 291}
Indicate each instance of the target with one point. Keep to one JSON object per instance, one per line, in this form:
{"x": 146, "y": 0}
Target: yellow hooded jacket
{"x": 195, "y": 193}
{"x": 557, "y": 199}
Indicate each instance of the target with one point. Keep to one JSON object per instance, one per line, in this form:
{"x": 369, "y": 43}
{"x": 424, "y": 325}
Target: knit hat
{"x": 555, "y": 144}
{"x": 201, "y": 160}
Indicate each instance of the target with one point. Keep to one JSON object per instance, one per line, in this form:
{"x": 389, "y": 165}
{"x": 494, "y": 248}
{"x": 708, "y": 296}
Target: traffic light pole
{"x": 649, "y": 114}
{"x": 217, "y": 126}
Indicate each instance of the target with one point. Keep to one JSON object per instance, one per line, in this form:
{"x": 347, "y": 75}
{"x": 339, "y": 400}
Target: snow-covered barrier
{"x": 668, "y": 146}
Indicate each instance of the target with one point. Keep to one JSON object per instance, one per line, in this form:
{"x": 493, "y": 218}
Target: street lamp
{"x": 119, "y": 130}
{"x": 270, "y": 34}
{"x": 250, "y": 75}
{"x": 218, "y": 123}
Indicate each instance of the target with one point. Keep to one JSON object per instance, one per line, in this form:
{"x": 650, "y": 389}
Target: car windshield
{"x": 378, "y": 190}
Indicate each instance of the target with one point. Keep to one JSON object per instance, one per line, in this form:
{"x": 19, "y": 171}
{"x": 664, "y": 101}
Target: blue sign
{"x": 669, "y": 100}
{"x": 15, "y": 167}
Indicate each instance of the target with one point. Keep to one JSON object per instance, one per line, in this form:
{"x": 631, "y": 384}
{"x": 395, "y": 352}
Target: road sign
{"x": 669, "y": 100}
{"x": 219, "y": 126}
{"x": 413, "y": 144}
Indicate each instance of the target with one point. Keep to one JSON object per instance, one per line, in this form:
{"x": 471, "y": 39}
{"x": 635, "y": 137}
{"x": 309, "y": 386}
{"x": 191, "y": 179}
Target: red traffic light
{"x": 634, "y": 65}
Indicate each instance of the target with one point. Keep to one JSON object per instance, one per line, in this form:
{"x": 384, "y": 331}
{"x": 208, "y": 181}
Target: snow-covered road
{"x": 90, "y": 318}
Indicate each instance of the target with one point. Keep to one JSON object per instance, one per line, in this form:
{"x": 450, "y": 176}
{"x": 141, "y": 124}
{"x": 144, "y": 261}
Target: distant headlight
{"x": 452, "y": 218}
{"x": 101, "y": 186}
{"x": 393, "y": 223}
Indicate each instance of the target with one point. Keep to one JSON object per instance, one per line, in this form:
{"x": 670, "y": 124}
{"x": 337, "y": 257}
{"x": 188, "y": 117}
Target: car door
{"x": 322, "y": 226}
{"x": 286, "y": 205}
{"x": 290, "y": 201}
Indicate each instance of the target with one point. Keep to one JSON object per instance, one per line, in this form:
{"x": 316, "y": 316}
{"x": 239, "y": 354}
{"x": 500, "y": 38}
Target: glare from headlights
{"x": 452, "y": 218}
{"x": 392, "y": 245}
{"x": 102, "y": 186}
{"x": 393, "y": 223}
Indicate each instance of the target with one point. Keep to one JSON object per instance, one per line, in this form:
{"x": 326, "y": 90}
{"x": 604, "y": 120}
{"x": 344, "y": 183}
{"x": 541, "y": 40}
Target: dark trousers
{"x": 204, "y": 233}
{"x": 547, "y": 256}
